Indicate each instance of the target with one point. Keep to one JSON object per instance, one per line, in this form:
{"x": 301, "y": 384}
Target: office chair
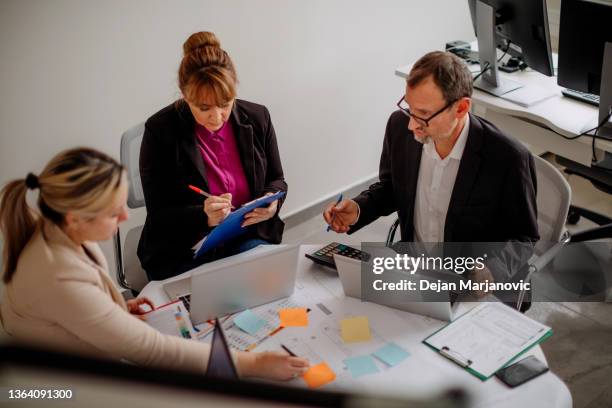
{"x": 553, "y": 200}
{"x": 130, "y": 274}
{"x": 600, "y": 179}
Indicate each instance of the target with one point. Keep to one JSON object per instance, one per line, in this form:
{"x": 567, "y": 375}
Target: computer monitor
{"x": 518, "y": 26}
{"x": 584, "y": 28}
{"x": 585, "y": 60}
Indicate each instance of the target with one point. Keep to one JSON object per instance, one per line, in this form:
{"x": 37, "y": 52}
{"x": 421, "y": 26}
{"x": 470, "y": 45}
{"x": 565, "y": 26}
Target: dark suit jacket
{"x": 494, "y": 197}
{"x": 170, "y": 161}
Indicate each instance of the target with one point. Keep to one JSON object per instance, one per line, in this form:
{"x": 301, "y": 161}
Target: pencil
{"x": 202, "y": 192}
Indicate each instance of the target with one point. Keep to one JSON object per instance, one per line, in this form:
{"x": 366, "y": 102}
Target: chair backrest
{"x": 130, "y": 274}
{"x": 130, "y": 155}
{"x": 553, "y": 199}
{"x": 135, "y": 277}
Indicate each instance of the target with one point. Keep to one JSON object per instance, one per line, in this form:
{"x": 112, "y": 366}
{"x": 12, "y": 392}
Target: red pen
{"x": 202, "y": 192}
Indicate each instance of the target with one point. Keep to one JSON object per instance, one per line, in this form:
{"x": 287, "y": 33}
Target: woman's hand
{"x": 274, "y": 365}
{"x": 217, "y": 208}
{"x": 134, "y": 308}
{"x": 261, "y": 214}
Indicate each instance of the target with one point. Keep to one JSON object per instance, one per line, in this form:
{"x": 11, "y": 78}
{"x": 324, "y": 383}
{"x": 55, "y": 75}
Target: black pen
{"x": 291, "y": 353}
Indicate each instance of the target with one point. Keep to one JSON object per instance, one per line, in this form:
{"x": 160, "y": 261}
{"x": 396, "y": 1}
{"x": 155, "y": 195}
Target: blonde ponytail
{"x": 17, "y": 222}
{"x": 80, "y": 180}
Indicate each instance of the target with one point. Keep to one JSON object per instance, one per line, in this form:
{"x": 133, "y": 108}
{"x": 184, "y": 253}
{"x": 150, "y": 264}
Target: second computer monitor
{"x": 519, "y": 27}
{"x": 584, "y": 29}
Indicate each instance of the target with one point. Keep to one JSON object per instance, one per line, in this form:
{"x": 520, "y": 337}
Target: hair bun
{"x": 200, "y": 40}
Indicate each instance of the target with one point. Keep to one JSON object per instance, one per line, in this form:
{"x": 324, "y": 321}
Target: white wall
{"x": 81, "y": 72}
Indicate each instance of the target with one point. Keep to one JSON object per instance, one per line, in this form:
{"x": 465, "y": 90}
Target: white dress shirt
{"x": 434, "y": 188}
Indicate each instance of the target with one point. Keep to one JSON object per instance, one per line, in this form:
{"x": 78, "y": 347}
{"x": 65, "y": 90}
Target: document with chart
{"x": 487, "y": 338}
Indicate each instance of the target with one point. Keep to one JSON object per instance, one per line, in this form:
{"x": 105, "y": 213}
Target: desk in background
{"x": 425, "y": 371}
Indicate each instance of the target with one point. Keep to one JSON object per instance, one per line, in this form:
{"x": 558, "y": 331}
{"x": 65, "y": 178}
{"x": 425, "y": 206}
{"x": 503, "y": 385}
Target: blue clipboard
{"x": 231, "y": 226}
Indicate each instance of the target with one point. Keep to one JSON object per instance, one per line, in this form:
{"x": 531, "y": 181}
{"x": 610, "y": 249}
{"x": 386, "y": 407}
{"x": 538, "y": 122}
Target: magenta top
{"x": 222, "y": 162}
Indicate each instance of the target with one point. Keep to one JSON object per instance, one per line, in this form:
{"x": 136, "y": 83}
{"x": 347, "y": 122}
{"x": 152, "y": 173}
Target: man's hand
{"x": 481, "y": 275}
{"x": 341, "y": 216}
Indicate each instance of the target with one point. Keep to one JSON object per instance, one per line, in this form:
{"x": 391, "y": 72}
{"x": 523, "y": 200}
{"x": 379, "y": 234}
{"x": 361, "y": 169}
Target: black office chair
{"x": 600, "y": 179}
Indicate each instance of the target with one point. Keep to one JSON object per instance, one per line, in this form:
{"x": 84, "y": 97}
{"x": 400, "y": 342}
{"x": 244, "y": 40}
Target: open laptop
{"x": 220, "y": 361}
{"x": 242, "y": 281}
{"x": 349, "y": 270}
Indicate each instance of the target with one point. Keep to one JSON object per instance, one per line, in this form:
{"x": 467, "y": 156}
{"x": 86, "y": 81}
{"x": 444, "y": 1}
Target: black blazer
{"x": 170, "y": 161}
{"x": 494, "y": 197}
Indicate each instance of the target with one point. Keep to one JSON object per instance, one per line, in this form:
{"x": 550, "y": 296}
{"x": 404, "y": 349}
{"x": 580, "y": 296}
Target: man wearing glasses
{"x": 450, "y": 175}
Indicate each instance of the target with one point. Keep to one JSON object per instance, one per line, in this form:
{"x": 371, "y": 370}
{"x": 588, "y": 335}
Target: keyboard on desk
{"x": 186, "y": 301}
{"x": 581, "y": 96}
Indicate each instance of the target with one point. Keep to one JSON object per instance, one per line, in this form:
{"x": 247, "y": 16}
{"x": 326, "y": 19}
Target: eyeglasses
{"x": 403, "y": 106}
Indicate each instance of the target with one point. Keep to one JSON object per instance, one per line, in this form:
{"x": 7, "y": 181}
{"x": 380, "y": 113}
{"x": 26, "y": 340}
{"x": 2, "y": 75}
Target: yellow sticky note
{"x": 355, "y": 329}
{"x": 319, "y": 375}
{"x": 297, "y": 316}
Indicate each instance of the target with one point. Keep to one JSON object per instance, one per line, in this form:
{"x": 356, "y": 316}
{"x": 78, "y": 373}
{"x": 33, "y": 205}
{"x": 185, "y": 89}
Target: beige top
{"x": 60, "y": 298}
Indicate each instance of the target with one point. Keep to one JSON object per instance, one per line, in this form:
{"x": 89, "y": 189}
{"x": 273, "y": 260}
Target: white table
{"x": 424, "y": 372}
{"x": 532, "y": 125}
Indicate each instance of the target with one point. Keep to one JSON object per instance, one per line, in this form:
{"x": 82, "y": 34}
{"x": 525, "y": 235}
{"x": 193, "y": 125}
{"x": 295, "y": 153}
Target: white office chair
{"x": 553, "y": 200}
{"x": 130, "y": 274}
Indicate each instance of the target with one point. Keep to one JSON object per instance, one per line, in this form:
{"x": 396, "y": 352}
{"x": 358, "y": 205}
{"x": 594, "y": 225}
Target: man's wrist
{"x": 358, "y": 212}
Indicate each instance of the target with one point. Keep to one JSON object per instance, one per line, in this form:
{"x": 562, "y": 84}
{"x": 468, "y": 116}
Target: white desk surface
{"x": 562, "y": 114}
{"x": 425, "y": 371}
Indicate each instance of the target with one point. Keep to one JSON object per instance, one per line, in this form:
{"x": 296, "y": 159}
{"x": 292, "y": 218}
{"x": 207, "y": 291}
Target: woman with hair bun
{"x": 216, "y": 142}
{"x": 58, "y": 293}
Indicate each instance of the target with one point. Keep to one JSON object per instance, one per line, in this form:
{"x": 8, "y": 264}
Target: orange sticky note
{"x": 319, "y": 375}
{"x": 297, "y": 316}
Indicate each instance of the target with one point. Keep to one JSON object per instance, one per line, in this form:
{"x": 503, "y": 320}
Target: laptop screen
{"x": 220, "y": 362}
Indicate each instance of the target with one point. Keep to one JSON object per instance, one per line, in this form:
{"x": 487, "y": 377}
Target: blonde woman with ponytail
{"x": 58, "y": 293}
{"x": 210, "y": 139}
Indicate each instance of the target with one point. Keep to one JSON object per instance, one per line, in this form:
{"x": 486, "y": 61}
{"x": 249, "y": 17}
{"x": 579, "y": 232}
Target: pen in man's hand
{"x": 334, "y": 216}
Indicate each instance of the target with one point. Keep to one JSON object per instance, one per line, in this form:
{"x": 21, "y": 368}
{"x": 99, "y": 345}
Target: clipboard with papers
{"x": 487, "y": 338}
{"x": 231, "y": 227}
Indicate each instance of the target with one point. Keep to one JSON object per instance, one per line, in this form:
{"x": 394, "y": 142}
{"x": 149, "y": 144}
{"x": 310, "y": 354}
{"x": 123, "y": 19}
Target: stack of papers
{"x": 171, "y": 319}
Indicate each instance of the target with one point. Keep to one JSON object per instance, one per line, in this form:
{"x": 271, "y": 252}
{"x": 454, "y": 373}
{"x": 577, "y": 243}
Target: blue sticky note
{"x": 391, "y": 354}
{"x": 362, "y": 365}
{"x": 249, "y": 322}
